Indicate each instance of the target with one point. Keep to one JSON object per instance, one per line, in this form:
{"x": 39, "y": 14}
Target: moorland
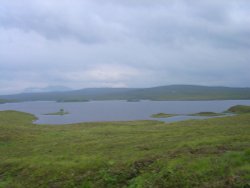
{"x": 195, "y": 153}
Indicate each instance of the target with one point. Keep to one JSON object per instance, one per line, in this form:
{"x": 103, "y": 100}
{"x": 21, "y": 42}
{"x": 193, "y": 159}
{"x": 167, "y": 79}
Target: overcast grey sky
{"x": 123, "y": 43}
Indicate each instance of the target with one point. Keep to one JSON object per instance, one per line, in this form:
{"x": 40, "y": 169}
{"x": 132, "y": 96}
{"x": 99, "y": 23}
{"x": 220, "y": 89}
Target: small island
{"x": 3, "y": 101}
{"x": 133, "y": 100}
{"x": 72, "y": 100}
{"x": 162, "y": 115}
{"x": 239, "y": 109}
{"x": 61, "y": 112}
{"x": 210, "y": 114}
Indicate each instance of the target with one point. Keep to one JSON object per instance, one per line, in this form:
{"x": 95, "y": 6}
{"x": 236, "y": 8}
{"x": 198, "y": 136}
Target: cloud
{"x": 55, "y": 20}
{"x": 95, "y": 43}
{"x": 102, "y": 75}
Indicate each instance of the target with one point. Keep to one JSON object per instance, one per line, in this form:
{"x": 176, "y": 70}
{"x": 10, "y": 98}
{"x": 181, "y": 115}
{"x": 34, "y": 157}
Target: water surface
{"x": 94, "y": 111}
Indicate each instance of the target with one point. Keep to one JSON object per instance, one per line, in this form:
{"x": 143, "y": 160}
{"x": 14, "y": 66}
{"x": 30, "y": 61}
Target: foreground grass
{"x": 194, "y": 153}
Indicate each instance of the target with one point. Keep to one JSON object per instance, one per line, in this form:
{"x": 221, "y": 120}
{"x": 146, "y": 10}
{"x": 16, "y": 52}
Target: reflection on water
{"x": 118, "y": 110}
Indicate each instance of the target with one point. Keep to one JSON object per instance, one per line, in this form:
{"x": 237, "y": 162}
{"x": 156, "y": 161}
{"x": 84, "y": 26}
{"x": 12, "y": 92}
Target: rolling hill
{"x": 172, "y": 92}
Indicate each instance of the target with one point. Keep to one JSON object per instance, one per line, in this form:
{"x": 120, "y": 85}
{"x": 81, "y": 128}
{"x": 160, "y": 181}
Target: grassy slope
{"x": 195, "y": 153}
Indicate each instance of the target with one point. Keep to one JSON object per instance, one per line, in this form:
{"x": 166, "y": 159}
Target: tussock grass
{"x": 195, "y": 153}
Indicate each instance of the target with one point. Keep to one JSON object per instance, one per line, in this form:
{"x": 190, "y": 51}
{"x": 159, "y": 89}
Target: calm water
{"x": 118, "y": 110}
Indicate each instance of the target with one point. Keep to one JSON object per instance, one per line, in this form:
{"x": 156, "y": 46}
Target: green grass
{"x": 162, "y": 115}
{"x": 59, "y": 113}
{"x": 239, "y": 109}
{"x": 207, "y": 114}
{"x": 195, "y": 153}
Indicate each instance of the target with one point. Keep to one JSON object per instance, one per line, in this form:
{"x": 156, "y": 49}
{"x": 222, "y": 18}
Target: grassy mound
{"x": 162, "y": 115}
{"x": 57, "y": 113}
{"x": 61, "y": 112}
{"x": 207, "y": 114}
{"x": 194, "y": 153}
{"x": 239, "y": 109}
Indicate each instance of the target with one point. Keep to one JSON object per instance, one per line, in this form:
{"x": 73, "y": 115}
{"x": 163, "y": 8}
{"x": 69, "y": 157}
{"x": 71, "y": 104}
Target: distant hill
{"x": 46, "y": 89}
{"x": 2, "y": 101}
{"x": 172, "y": 92}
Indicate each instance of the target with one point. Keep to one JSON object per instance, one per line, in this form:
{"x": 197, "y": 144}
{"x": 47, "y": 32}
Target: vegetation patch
{"x": 194, "y": 153}
{"x": 207, "y": 114}
{"x": 61, "y": 112}
{"x": 162, "y": 115}
{"x": 239, "y": 109}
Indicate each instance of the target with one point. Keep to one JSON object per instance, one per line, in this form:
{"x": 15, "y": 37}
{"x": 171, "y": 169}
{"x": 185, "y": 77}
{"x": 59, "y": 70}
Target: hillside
{"x": 173, "y": 92}
{"x": 2, "y": 101}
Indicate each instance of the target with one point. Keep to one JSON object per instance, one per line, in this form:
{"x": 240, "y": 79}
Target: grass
{"x": 59, "y": 113}
{"x": 207, "y": 114}
{"x": 194, "y": 153}
{"x": 162, "y": 115}
{"x": 239, "y": 109}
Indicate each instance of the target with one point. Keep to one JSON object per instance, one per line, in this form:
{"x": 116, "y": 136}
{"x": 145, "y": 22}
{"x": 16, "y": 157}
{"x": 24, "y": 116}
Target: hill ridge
{"x": 168, "y": 92}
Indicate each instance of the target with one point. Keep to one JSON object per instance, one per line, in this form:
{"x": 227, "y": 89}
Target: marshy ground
{"x": 194, "y": 153}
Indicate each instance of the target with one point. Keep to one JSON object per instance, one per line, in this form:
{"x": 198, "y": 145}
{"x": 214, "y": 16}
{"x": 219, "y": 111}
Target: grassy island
{"x": 133, "y": 100}
{"x": 162, "y": 115}
{"x": 239, "y": 109}
{"x": 72, "y": 100}
{"x": 61, "y": 112}
{"x": 2, "y": 101}
{"x": 207, "y": 114}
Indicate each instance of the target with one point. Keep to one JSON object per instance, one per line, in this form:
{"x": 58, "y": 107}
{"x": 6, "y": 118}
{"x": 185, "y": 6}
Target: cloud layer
{"x": 116, "y": 43}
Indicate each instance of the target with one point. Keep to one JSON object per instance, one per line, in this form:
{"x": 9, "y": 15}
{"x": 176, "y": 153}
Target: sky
{"x": 123, "y": 43}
